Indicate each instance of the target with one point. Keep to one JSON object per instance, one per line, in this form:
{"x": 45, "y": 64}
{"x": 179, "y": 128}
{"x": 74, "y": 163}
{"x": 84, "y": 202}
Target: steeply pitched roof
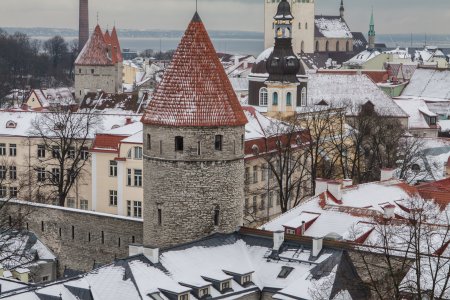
{"x": 195, "y": 90}
{"x": 429, "y": 84}
{"x": 331, "y": 27}
{"x": 115, "y": 43}
{"x": 95, "y": 52}
{"x": 438, "y": 190}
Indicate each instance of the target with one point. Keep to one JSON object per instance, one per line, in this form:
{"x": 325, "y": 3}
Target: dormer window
{"x": 204, "y": 292}
{"x": 11, "y": 124}
{"x": 183, "y": 297}
{"x": 224, "y": 286}
{"x": 246, "y": 279}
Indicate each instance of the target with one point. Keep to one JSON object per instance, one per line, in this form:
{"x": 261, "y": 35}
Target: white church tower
{"x": 302, "y": 29}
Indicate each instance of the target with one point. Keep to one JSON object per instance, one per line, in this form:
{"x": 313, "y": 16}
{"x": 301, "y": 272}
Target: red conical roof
{"x": 95, "y": 52}
{"x": 107, "y": 37}
{"x": 115, "y": 43}
{"x": 195, "y": 90}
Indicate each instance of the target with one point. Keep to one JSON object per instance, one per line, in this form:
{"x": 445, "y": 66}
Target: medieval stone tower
{"x": 83, "y": 33}
{"x": 193, "y": 148}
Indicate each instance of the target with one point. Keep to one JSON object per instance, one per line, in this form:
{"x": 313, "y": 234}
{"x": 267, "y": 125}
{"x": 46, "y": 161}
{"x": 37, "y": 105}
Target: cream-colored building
{"x": 310, "y": 33}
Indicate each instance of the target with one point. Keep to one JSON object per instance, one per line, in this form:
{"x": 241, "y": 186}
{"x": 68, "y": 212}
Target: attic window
{"x": 11, "y": 124}
{"x": 247, "y": 279}
{"x": 285, "y": 271}
{"x": 204, "y": 292}
{"x": 183, "y": 297}
{"x": 224, "y": 286}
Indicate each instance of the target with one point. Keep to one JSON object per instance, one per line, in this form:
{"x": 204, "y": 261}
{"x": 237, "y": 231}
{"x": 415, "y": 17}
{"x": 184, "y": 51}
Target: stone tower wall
{"x": 93, "y": 78}
{"x": 182, "y": 190}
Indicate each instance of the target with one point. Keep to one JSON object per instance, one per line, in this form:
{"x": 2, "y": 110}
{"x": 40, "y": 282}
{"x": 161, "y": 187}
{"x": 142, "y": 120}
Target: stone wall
{"x": 185, "y": 190}
{"x": 80, "y": 238}
{"x": 93, "y": 78}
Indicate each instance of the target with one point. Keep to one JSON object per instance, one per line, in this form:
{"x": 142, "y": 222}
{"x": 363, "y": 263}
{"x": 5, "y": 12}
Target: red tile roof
{"x": 95, "y": 52}
{"x": 195, "y": 90}
{"x": 106, "y": 143}
{"x": 116, "y": 45}
{"x": 439, "y": 191}
{"x": 107, "y": 37}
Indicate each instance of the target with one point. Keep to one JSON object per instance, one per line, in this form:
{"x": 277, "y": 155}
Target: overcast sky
{"x": 392, "y": 16}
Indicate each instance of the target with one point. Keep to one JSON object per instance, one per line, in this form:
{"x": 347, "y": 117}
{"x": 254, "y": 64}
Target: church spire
{"x": 341, "y": 9}
{"x": 371, "y": 33}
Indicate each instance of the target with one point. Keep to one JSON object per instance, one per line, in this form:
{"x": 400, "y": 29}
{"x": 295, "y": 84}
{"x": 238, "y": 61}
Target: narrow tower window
{"x": 160, "y": 148}
{"x": 218, "y": 142}
{"x": 216, "y": 216}
{"x": 303, "y": 101}
{"x": 149, "y": 142}
{"x": 179, "y": 143}
{"x": 199, "y": 149}
{"x": 159, "y": 216}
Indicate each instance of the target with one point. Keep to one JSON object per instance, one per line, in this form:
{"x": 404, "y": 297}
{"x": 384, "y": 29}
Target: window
{"x": 216, "y": 216}
{"x": 113, "y": 168}
{"x": 84, "y": 153}
{"x": 41, "y": 151}
{"x": 72, "y": 152}
{"x": 40, "y": 174}
{"x": 179, "y": 145}
{"x": 225, "y": 285}
{"x": 218, "y": 142}
{"x": 270, "y": 202}
{"x": 285, "y": 271}
{"x": 317, "y": 46}
{"x": 247, "y": 174}
{"x": 327, "y": 46}
{"x": 13, "y": 192}
{"x": 337, "y": 46}
{"x": 137, "y": 208}
{"x": 199, "y": 148}
{"x": 92, "y": 71}
{"x": 149, "y": 142}
{"x": 203, "y": 292}
{"x": 303, "y": 100}
{"x": 275, "y": 99}
{"x": 255, "y": 174}
{"x": 137, "y": 177}
{"x": 242, "y": 142}
{"x": 13, "y": 173}
{"x": 55, "y": 175}
{"x": 159, "y": 216}
{"x": 263, "y": 172}
{"x": 2, "y": 149}
{"x": 129, "y": 177}
{"x": 262, "y": 206}
{"x": 289, "y": 99}
{"x": 306, "y": 25}
{"x": 2, "y": 191}
{"x": 128, "y": 208}
{"x": 183, "y": 297}
{"x": 84, "y": 205}
{"x": 299, "y": 25}
{"x": 45, "y": 278}
{"x": 112, "y": 198}
{"x": 71, "y": 203}
{"x": 246, "y": 279}
{"x": 137, "y": 152}
{"x": 302, "y": 47}
{"x": 160, "y": 148}
{"x": 246, "y": 203}
{"x": 263, "y": 97}
{"x": 55, "y": 152}
{"x": 2, "y": 172}
{"x": 12, "y": 150}
{"x": 255, "y": 203}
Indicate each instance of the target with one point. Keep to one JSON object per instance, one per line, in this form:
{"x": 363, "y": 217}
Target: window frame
{"x": 13, "y": 150}
{"x": 113, "y": 167}
{"x": 263, "y": 97}
{"x": 218, "y": 142}
{"x": 113, "y": 198}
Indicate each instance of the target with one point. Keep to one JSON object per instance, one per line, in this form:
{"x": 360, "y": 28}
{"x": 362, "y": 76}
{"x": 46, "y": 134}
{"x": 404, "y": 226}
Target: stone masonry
{"x": 185, "y": 190}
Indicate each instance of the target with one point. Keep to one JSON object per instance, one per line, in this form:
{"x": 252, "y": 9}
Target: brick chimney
{"x": 83, "y": 34}
{"x": 321, "y": 186}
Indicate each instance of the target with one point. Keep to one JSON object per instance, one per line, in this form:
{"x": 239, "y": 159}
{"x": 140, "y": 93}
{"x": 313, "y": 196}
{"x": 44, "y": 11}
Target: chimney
{"x": 128, "y": 121}
{"x": 152, "y": 254}
{"x": 335, "y": 188}
{"x": 278, "y": 239}
{"x": 321, "y": 186}
{"x": 387, "y": 174}
{"x": 236, "y": 60}
{"x": 303, "y": 228}
{"x": 83, "y": 33}
{"x": 389, "y": 211}
{"x": 317, "y": 245}
{"x": 347, "y": 182}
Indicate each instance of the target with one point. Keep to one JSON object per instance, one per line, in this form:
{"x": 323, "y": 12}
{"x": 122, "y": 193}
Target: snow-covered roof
{"x": 331, "y": 27}
{"x": 332, "y": 217}
{"x": 239, "y": 84}
{"x": 417, "y": 110}
{"x": 429, "y": 84}
{"x": 353, "y": 90}
{"x": 199, "y": 264}
{"x": 363, "y": 57}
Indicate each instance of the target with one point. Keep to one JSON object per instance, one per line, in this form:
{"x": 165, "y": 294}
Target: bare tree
{"x": 62, "y": 155}
{"x": 407, "y": 258}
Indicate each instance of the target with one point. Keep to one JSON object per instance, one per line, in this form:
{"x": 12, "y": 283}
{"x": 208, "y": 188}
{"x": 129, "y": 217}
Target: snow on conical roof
{"x": 95, "y": 52}
{"x": 195, "y": 90}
